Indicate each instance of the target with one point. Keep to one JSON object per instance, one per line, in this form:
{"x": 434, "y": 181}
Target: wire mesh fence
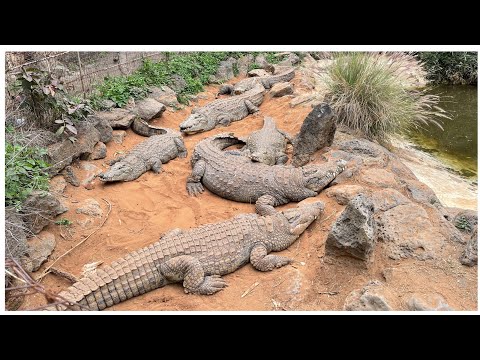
{"x": 79, "y": 71}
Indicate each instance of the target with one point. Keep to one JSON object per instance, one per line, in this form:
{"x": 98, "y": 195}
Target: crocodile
{"x": 141, "y": 127}
{"x": 198, "y": 257}
{"x": 223, "y": 111}
{"x": 267, "y": 145}
{"x": 148, "y": 155}
{"x": 248, "y": 83}
{"x": 239, "y": 179}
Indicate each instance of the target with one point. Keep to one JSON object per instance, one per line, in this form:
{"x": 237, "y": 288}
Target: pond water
{"x": 456, "y": 145}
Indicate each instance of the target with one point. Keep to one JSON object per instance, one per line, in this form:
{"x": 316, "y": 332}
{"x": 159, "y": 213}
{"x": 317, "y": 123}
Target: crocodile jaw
{"x": 195, "y": 123}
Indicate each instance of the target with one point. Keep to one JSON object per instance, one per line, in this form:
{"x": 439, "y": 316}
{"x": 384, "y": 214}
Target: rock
{"x": 301, "y": 99}
{"x": 290, "y": 60}
{"x": 57, "y": 185}
{"x": 225, "y": 70}
{"x": 117, "y": 118}
{"x": 148, "y": 109}
{"x": 89, "y": 167}
{"x": 387, "y": 199}
{"x": 428, "y": 302}
{"x": 378, "y": 177}
{"x": 258, "y": 72}
{"x": 261, "y": 61}
{"x": 62, "y": 154}
{"x": 119, "y": 136}
{"x": 15, "y": 238}
{"x": 367, "y": 150}
{"x": 70, "y": 176}
{"x": 420, "y": 192}
{"x": 399, "y": 169}
{"x": 164, "y": 95}
{"x": 278, "y": 69}
{"x": 193, "y": 98}
{"x": 470, "y": 254}
{"x": 281, "y": 89}
{"x": 466, "y": 221}
{"x": 99, "y": 151}
{"x": 344, "y": 193}
{"x": 40, "y": 248}
{"x": 354, "y": 231}
{"x": 103, "y": 126}
{"x": 177, "y": 83}
{"x": 408, "y": 232}
{"x": 90, "y": 207}
{"x": 108, "y": 104}
{"x": 317, "y": 132}
{"x": 373, "y": 297}
{"x": 243, "y": 63}
{"x": 40, "y": 209}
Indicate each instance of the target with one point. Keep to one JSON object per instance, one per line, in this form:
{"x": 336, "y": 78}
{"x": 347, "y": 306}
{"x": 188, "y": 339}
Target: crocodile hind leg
{"x": 264, "y": 205}
{"x": 263, "y": 262}
{"x": 189, "y": 269}
{"x": 157, "y": 167}
{"x": 250, "y": 107}
{"x": 194, "y": 185}
{"x": 182, "y": 150}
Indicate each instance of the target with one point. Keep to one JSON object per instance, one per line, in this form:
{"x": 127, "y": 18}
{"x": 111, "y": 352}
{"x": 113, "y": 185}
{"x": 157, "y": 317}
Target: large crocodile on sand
{"x": 223, "y": 111}
{"x": 268, "y": 144}
{"x": 239, "y": 179}
{"x": 198, "y": 257}
{"x": 266, "y": 81}
{"x": 148, "y": 155}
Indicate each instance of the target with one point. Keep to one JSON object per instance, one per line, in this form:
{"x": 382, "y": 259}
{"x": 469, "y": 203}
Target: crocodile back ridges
{"x": 254, "y": 95}
{"x": 282, "y": 77}
{"x": 153, "y": 145}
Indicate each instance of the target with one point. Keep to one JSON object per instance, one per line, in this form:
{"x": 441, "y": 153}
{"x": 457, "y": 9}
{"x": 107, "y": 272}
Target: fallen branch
{"x": 45, "y": 272}
{"x": 328, "y": 293}
{"x": 250, "y": 289}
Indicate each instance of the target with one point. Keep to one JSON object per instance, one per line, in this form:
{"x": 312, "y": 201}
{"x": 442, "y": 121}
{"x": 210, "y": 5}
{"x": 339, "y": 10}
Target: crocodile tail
{"x": 133, "y": 275}
{"x": 224, "y": 140}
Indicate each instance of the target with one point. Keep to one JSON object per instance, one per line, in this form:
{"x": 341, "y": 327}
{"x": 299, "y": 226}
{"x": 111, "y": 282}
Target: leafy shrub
{"x": 451, "y": 67}
{"x": 370, "y": 92}
{"x": 24, "y": 172}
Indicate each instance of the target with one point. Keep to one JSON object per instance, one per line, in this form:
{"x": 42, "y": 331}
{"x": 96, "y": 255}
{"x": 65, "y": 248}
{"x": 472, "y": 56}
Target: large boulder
{"x": 177, "y": 83}
{"x": 290, "y": 59}
{"x": 427, "y": 302}
{"x": 243, "y": 64}
{"x": 40, "y": 209}
{"x": 470, "y": 254}
{"x": 103, "y": 126}
{"x": 164, "y": 95}
{"x": 353, "y": 232}
{"x": 317, "y": 131}
{"x": 148, "y": 109}
{"x": 344, "y": 193}
{"x": 99, "y": 152}
{"x": 225, "y": 70}
{"x": 372, "y": 297}
{"x": 39, "y": 249}
{"x": 117, "y": 118}
{"x": 466, "y": 221}
{"x": 62, "y": 154}
{"x": 281, "y": 89}
{"x": 261, "y": 61}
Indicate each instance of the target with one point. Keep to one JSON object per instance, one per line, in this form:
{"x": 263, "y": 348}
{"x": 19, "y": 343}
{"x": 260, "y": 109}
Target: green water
{"x": 456, "y": 145}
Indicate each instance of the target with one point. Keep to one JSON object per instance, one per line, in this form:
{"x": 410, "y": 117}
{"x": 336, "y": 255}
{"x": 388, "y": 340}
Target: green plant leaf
{"x": 60, "y": 130}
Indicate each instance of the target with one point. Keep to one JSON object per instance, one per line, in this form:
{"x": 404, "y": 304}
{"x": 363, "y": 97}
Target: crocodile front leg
{"x": 157, "y": 166}
{"x": 263, "y": 262}
{"x": 264, "y": 205}
{"x": 194, "y": 185}
{"x": 250, "y": 107}
{"x": 182, "y": 150}
{"x": 189, "y": 269}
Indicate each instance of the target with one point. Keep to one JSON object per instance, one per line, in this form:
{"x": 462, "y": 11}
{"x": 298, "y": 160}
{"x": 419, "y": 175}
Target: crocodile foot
{"x": 209, "y": 286}
{"x": 194, "y": 188}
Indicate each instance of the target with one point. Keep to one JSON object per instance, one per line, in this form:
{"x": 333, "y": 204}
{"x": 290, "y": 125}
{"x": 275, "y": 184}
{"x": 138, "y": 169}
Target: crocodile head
{"x": 303, "y": 215}
{"x": 318, "y": 176}
{"x": 120, "y": 171}
{"x": 195, "y": 123}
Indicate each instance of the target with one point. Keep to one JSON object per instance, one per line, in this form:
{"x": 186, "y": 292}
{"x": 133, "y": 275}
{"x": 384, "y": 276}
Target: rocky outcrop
{"x": 470, "y": 254}
{"x": 353, "y": 232}
{"x": 117, "y": 118}
{"x": 373, "y": 297}
{"x": 225, "y": 70}
{"x": 39, "y": 249}
{"x": 164, "y": 95}
{"x": 317, "y": 131}
{"x": 281, "y": 89}
{"x": 243, "y": 64}
{"x": 148, "y": 109}
{"x": 103, "y": 126}
{"x": 40, "y": 209}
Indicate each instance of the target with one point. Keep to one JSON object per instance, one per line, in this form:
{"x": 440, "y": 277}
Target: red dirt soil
{"x": 153, "y": 204}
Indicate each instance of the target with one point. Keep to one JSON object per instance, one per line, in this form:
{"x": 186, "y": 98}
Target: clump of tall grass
{"x": 374, "y": 93}
{"x": 454, "y": 67}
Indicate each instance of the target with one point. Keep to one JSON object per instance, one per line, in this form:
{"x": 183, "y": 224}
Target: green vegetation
{"x": 370, "y": 92}
{"x": 463, "y": 224}
{"x": 450, "y": 67}
{"x": 63, "y": 222}
{"x": 24, "y": 172}
{"x": 195, "y": 68}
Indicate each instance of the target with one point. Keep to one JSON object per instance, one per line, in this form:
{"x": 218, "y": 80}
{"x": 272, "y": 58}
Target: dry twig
{"x": 250, "y": 289}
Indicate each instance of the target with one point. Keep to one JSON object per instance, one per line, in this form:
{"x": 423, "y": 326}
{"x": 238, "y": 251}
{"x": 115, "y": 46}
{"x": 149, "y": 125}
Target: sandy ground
{"x": 153, "y": 204}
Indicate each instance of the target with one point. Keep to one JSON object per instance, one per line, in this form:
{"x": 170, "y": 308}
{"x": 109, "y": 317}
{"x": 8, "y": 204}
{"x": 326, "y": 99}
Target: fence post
{"x": 81, "y": 74}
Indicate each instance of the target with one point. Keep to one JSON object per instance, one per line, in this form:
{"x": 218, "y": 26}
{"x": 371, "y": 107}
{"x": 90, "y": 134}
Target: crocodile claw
{"x": 209, "y": 286}
{"x": 195, "y": 189}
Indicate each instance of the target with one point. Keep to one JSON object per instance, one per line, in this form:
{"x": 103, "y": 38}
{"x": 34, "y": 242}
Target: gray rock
{"x": 164, "y": 95}
{"x": 420, "y": 192}
{"x": 108, "y": 104}
{"x": 362, "y": 147}
{"x": 57, "y": 185}
{"x": 243, "y": 63}
{"x": 470, "y": 254}
{"x": 261, "y": 61}
{"x": 103, "y": 126}
{"x": 225, "y": 70}
{"x": 62, "y": 154}
{"x": 258, "y": 72}
{"x": 370, "y": 298}
{"x": 466, "y": 221}
{"x": 387, "y": 199}
{"x": 317, "y": 131}
{"x": 428, "y": 302}
{"x": 119, "y": 136}
{"x": 40, "y": 209}
{"x": 70, "y": 176}
{"x": 344, "y": 193}
{"x": 99, "y": 151}
{"x": 178, "y": 83}
{"x": 278, "y": 69}
{"x": 302, "y": 99}
{"x": 40, "y": 248}
{"x": 117, "y": 118}
{"x": 354, "y": 231}
{"x": 90, "y": 207}
{"x": 281, "y": 89}
{"x": 148, "y": 109}
{"x": 15, "y": 238}
{"x": 290, "y": 60}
